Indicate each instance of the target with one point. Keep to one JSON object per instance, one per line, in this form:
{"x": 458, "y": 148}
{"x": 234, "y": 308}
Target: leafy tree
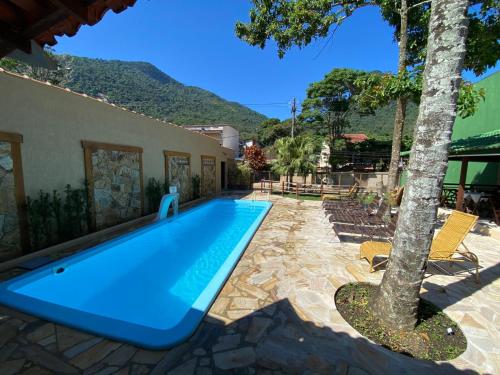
{"x": 255, "y": 158}
{"x": 298, "y": 22}
{"x": 271, "y": 129}
{"x": 397, "y": 299}
{"x": 329, "y": 104}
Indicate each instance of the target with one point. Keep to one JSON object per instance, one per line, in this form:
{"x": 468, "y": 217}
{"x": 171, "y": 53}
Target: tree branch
{"x": 418, "y": 4}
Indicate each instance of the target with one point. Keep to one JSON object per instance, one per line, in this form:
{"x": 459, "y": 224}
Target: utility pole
{"x": 294, "y": 110}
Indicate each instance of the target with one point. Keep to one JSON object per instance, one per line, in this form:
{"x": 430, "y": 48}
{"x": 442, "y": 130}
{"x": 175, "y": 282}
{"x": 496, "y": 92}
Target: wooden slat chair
{"x": 346, "y": 216}
{"x": 445, "y": 246}
{"x": 350, "y": 194}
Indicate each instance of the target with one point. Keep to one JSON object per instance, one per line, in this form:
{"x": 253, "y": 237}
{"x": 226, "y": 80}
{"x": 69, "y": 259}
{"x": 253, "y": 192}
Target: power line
{"x": 326, "y": 43}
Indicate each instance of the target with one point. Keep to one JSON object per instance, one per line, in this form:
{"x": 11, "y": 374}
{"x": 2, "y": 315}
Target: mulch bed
{"x": 428, "y": 341}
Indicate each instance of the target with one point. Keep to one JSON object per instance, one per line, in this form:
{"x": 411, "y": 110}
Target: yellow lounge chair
{"x": 351, "y": 193}
{"x": 444, "y": 246}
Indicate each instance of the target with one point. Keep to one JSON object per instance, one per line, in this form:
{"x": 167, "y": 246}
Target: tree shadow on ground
{"x": 460, "y": 289}
{"x": 276, "y": 340}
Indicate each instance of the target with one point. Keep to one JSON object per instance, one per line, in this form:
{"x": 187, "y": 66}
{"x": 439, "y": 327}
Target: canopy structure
{"x": 484, "y": 147}
{"x": 23, "y": 22}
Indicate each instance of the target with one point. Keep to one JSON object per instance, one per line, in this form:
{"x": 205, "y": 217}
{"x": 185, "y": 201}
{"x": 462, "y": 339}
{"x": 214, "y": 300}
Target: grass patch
{"x": 301, "y": 197}
{"x": 428, "y": 341}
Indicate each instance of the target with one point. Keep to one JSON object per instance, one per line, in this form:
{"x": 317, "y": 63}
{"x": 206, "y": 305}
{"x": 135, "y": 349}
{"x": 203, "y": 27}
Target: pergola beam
{"x": 9, "y": 39}
{"x": 76, "y": 8}
{"x": 461, "y": 185}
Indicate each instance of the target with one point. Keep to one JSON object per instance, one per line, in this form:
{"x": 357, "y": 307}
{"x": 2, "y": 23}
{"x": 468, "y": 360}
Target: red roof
{"x": 42, "y": 20}
{"x": 355, "y": 137}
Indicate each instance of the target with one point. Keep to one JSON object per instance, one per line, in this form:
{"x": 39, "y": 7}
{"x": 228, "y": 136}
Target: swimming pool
{"x": 151, "y": 287}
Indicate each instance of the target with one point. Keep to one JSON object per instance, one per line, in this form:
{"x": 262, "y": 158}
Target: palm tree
{"x": 283, "y": 164}
{"x": 306, "y": 155}
{"x": 299, "y": 154}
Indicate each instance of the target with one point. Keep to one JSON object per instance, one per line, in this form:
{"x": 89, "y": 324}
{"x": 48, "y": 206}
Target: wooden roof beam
{"x": 9, "y": 39}
{"x": 76, "y": 8}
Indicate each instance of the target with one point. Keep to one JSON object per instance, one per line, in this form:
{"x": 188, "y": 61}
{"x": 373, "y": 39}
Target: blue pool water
{"x": 151, "y": 287}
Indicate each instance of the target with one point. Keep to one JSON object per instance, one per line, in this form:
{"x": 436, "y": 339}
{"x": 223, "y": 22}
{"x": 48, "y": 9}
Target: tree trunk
{"x": 396, "y": 302}
{"x": 399, "y": 119}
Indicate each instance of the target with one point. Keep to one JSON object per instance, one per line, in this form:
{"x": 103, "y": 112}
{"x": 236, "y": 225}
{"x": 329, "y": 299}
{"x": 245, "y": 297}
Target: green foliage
{"x": 380, "y": 89}
{"x": 337, "y": 145}
{"x": 380, "y": 124}
{"x": 142, "y": 87}
{"x": 296, "y": 155}
{"x": 482, "y": 44}
{"x": 469, "y": 99}
{"x": 272, "y": 129}
{"x": 240, "y": 176}
{"x": 295, "y": 22}
{"x": 298, "y": 22}
{"x": 154, "y": 192}
{"x": 54, "y": 218}
{"x": 330, "y": 101}
{"x": 196, "y": 184}
{"x": 54, "y": 76}
{"x": 377, "y": 90}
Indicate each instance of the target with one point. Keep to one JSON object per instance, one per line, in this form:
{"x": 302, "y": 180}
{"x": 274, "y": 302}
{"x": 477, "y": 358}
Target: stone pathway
{"x": 276, "y": 315}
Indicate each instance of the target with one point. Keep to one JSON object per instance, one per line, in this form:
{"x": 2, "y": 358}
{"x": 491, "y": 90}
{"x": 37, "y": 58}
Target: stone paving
{"x": 276, "y": 315}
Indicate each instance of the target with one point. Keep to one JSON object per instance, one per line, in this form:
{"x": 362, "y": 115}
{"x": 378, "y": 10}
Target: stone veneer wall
{"x": 179, "y": 174}
{"x": 10, "y": 238}
{"x": 208, "y": 181}
{"x": 116, "y": 183}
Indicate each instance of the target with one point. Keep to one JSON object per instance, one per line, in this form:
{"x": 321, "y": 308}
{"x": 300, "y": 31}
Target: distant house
{"x": 355, "y": 137}
{"x": 226, "y": 135}
{"x": 324, "y": 159}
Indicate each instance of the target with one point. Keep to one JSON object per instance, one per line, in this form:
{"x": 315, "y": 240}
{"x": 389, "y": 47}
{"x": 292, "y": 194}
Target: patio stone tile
{"x": 67, "y": 337}
{"x": 80, "y": 348}
{"x": 227, "y": 342}
{"x": 258, "y": 328}
{"x": 148, "y": 357}
{"x": 11, "y": 367}
{"x": 120, "y": 356}
{"x": 36, "y": 371}
{"x": 170, "y": 359}
{"x": 94, "y": 354}
{"x": 187, "y": 368}
{"x": 233, "y": 359}
{"x": 47, "y": 360}
{"x": 139, "y": 370}
{"x": 41, "y": 333}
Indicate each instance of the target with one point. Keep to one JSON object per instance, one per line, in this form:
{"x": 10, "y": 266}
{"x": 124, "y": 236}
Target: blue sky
{"x": 194, "y": 42}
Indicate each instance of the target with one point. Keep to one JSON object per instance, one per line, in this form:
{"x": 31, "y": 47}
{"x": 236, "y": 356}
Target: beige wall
{"x": 53, "y": 122}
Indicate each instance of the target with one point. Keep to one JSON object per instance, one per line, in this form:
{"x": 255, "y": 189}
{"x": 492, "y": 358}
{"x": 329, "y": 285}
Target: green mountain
{"x": 381, "y": 123}
{"x": 142, "y": 87}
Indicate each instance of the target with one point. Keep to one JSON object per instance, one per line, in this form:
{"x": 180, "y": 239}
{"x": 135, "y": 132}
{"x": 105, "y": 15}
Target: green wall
{"x": 487, "y": 118}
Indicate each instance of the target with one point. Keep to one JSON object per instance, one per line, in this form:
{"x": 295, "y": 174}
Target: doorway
{"x": 223, "y": 175}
